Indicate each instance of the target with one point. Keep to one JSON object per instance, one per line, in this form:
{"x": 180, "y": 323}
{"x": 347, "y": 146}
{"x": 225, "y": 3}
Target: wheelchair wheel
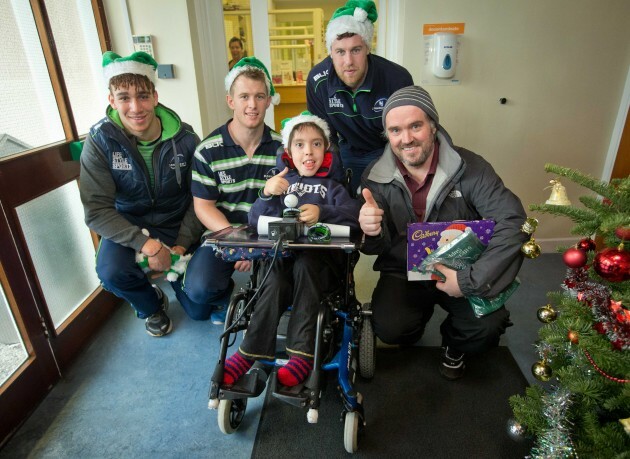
{"x": 367, "y": 347}
{"x": 231, "y": 413}
{"x": 351, "y": 432}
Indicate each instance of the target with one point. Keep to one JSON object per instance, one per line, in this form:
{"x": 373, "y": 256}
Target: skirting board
{"x": 551, "y": 245}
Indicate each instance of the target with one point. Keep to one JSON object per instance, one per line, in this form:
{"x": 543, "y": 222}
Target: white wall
{"x": 562, "y": 66}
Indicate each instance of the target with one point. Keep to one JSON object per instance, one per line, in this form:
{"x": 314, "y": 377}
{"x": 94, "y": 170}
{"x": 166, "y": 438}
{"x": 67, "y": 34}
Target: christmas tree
{"x": 584, "y": 345}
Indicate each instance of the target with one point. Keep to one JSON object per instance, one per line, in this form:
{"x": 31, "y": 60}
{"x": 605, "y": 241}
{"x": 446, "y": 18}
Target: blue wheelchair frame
{"x": 339, "y": 314}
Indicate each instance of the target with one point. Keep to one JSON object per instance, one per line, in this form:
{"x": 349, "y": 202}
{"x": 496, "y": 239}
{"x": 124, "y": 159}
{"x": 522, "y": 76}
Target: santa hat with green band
{"x": 288, "y": 124}
{"x": 251, "y": 63}
{"x": 139, "y": 63}
{"x": 356, "y": 16}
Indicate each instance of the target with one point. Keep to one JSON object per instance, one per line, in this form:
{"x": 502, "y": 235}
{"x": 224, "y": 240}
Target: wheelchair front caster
{"x": 312, "y": 416}
{"x": 351, "y": 432}
{"x": 213, "y": 403}
{"x": 231, "y": 413}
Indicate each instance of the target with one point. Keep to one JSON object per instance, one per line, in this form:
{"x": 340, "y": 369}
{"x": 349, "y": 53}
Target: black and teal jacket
{"x": 117, "y": 195}
{"x": 354, "y": 117}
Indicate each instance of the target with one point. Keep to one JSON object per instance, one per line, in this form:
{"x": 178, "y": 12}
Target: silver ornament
{"x": 515, "y": 430}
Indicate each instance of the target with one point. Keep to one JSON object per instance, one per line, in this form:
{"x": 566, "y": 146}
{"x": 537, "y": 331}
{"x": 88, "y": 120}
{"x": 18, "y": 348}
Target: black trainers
{"x": 452, "y": 366}
{"x": 158, "y": 323}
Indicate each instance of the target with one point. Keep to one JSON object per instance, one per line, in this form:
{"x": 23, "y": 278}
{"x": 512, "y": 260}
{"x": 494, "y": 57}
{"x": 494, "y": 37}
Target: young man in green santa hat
{"x": 135, "y": 189}
{"x": 230, "y": 167}
{"x": 349, "y": 88}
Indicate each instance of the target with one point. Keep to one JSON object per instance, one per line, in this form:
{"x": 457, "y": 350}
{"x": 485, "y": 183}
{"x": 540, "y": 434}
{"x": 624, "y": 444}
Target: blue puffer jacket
{"x": 116, "y": 191}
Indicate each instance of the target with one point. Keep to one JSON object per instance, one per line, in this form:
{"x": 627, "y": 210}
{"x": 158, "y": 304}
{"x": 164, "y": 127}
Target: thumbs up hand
{"x": 277, "y": 184}
{"x": 370, "y": 216}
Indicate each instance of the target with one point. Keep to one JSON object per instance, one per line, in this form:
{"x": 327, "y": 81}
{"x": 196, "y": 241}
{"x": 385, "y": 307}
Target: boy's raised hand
{"x": 370, "y": 216}
{"x": 277, "y": 184}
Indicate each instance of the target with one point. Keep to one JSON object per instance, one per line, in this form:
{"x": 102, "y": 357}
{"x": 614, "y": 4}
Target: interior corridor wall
{"x": 560, "y": 64}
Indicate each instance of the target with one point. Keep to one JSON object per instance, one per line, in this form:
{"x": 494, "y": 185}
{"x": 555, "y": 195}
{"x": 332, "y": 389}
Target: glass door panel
{"x": 61, "y": 248}
{"x": 79, "y": 51}
{"x": 30, "y": 117}
{"x": 12, "y": 349}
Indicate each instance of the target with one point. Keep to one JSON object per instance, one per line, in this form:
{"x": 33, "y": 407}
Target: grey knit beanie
{"x": 412, "y": 95}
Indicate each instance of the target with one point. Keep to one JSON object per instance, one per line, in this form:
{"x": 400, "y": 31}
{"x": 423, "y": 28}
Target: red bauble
{"x": 573, "y": 336}
{"x": 623, "y": 233}
{"x": 574, "y": 258}
{"x": 612, "y": 264}
{"x": 586, "y": 245}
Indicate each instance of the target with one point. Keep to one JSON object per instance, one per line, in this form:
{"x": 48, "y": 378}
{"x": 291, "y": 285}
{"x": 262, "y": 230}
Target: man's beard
{"x": 427, "y": 149}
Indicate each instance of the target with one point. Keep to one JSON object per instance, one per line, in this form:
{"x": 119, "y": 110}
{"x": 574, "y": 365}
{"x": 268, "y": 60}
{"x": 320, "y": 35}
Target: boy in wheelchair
{"x": 305, "y": 279}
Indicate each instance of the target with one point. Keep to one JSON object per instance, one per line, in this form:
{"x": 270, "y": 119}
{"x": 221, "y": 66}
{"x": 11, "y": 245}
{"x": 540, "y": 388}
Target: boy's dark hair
{"x": 126, "y": 80}
{"x": 301, "y": 126}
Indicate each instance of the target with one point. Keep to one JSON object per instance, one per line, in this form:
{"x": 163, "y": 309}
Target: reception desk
{"x": 292, "y": 102}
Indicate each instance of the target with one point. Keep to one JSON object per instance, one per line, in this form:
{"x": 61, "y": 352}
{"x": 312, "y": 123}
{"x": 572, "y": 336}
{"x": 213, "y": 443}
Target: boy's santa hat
{"x": 138, "y": 63}
{"x": 288, "y": 124}
{"x": 356, "y": 16}
{"x": 251, "y": 63}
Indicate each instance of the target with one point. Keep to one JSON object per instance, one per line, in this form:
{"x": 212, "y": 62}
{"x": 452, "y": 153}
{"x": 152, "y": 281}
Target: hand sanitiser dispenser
{"x": 444, "y": 54}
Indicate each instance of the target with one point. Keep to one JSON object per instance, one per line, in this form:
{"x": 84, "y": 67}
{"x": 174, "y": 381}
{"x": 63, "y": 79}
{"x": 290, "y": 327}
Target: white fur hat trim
{"x": 301, "y": 119}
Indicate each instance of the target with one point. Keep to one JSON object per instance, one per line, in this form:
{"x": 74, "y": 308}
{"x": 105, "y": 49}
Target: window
{"x": 52, "y": 91}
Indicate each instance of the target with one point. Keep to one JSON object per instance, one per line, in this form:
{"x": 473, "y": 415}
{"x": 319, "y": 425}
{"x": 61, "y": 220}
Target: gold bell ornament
{"x": 558, "y": 194}
{"x": 530, "y": 249}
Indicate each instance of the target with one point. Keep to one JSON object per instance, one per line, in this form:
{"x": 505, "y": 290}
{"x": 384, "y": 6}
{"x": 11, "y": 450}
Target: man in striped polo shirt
{"x": 229, "y": 168}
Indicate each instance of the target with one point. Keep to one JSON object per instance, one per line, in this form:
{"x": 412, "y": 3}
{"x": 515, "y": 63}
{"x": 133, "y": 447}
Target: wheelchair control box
{"x": 290, "y": 228}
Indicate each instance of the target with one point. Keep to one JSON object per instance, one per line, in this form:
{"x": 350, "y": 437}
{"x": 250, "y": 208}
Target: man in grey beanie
{"x": 423, "y": 177}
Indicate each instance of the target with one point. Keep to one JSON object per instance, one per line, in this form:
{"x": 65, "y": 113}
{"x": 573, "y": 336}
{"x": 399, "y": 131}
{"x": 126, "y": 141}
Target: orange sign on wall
{"x": 454, "y": 27}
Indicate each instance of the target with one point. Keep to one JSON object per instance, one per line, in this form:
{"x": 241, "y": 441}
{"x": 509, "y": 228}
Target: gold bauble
{"x": 531, "y": 249}
{"x": 541, "y": 371}
{"x": 546, "y": 314}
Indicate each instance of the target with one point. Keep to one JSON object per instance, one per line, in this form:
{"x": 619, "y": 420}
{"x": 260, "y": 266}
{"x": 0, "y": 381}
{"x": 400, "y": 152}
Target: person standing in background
{"x": 237, "y": 50}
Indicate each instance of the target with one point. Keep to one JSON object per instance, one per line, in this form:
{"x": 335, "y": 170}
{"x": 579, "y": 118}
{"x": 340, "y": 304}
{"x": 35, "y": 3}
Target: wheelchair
{"x": 345, "y": 343}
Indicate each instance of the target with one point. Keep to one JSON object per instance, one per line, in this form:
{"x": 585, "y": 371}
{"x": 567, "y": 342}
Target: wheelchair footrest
{"x": 251, "y": 384}
{"x": 296, "y": 395}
